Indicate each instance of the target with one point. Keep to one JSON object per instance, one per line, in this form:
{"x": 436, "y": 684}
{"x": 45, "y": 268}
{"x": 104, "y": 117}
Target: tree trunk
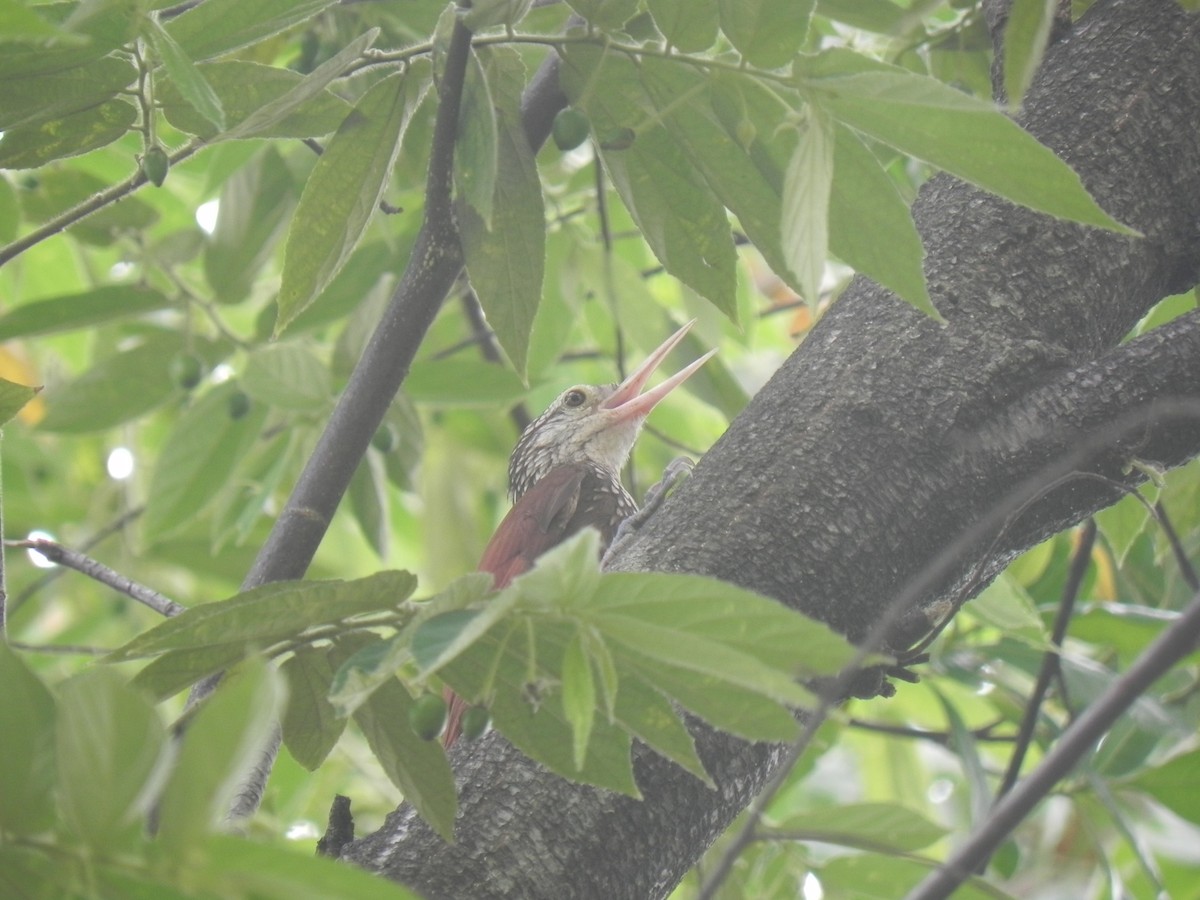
{"x": 885, "y": 460}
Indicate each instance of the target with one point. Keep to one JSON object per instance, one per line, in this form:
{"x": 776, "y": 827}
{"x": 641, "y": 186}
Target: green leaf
{"x": 30, "y": 101}
{"x": 688, "y": 25}
{"x": 217, "y": 26}
{"x": 604, "y": 13}
{"x": 806, "y": 188}
{"x": 344, "y": 189}
{"x": 441, "y": 638}
{"x": 122, "y": 386}
{"x": 463, "y": 382}
{"x": 578, "y": 695}
{"x": 236, "y": 867}
{"x": 84, "y": 34}
{"x": 256, "y": 203}
{"x": 680, "y": 217}
{"x": 184, "y": 74}
{"x": 418, "y": 768}
{"x": 260, "y": 101}
{"x": 768, "y": 33}
{"x": 505, "y": 256}
{"x": 305, "y": 105}
{"x": 13, "y": 398}
{"x": 288, "y": 376}
{"x": 965, "y": 136}
{"x": 867, "y": 826}
{"x": 31, "y": 146}
{"x": 110, "y": 744}
{"x": 311, "y": 724}
{"x": 1026, "y": 37}
{"x": 870, "y": 227}
{"x": 362, "y": 672}
{"x": 368, "y": 496}
{"x": 875, "y": 876}
{"x": 27, "y": 721}
{"x": 178, "y": 670}
{"x": 486, "y": 13}
{"x": 84, "y": 310}
{"x": 1173, "y": 784}
{"x": 57, "y": 189}
{"x": 197, "y": 459}
{"x": 476, "y": 154}
{"x": 270, "y": 613}
{"x": 223, "y": 742}
{"x": 746, "y": 176}
{"x": 1006, "y": 605}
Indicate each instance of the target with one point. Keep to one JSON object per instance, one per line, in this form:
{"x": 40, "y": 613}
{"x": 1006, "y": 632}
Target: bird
{"x": 564, "y": 475}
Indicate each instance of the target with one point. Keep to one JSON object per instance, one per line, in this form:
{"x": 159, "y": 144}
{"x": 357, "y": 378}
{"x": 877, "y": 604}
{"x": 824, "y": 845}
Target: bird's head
{"x": 595, "y": 424}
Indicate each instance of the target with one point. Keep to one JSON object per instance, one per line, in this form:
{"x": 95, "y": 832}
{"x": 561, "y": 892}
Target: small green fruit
{"x": 186, "y": 370}
{"x": 427, "y": 716}
{"x": 385, "y": 438}
{"x": 239, "y": 404}
{"x": 571, "y": 128}
{"x": 475, "y": 722}
{"x": 155, "y": 164}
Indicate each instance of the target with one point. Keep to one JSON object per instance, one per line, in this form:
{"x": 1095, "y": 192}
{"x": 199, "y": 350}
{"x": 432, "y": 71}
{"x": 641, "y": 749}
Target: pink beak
{"x": 628, "y": 402}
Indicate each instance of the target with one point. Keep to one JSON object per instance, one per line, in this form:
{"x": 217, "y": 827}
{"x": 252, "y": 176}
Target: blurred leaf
{"x": 806, "y": 187}
{"x": 122, "y": 386}
{"x": 344, "y": 189}
{"x": 504, "y": 244}
{"x": 476, "y": 151}
{"x": 26, "y": 102}
{"x": 677, "y": 212}
{"x": 311, "y": 724}
{"x": 871, "y": 875}
{"x": 288, "y": 376}
{"x": 197, "y": 459}
{"x": 217, "y": 26}
{"x": 1173, "y": 784}
{"x": 256, "y": 204}
{"x": 463, "y": 382}
{"x": 368, "y": 497}
{"x": 31, "y": 146}
{"x": 688, "y": 25}
{"x": 224, "y": 740}
{"x": 418, "y": 768}
{"x": 184, "y": 74}
{"x": 13, "y": 398}
{"x": 1005, "y": 605}
{"x": 1025, "y": 39}
{"x": 27, "y": 721}
{"x": 260, "y": 101}
{"x": 578, "y": 696}
{"x": 868, "y": 826}
{"x": 84, "y": 34}
{"x": 486, "y": 13}
{"x": 84, "y": 310}
{"x": 273, "y": 612}
{"x": 55, "y": 190}
{"x": 110, "y": 744}
{"x": 768, "y": 33}
{"x": 967, "y": 749}
{"x": 604, "y": 13}
{"x": 1124, "y": 522}
{"x": 236, "y": 867}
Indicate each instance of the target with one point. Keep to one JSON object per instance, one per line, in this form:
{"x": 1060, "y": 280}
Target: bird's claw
{"x": 677, "y": 469}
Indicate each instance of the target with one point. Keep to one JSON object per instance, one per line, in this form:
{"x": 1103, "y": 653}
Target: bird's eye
{"x": 574, "y": 398}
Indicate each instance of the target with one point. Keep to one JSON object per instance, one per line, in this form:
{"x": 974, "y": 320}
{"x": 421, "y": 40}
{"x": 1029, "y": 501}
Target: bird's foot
{"x": 677, "y": 470}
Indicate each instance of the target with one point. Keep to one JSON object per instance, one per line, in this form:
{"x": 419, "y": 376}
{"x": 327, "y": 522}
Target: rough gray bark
{"x": 878, "y": 457}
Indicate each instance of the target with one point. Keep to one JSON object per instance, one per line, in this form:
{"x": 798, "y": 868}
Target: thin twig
{"x": 52, "y": 575}
{"x": 97, "y": 571}
{"x": 1177, "y": 641}
{"x": 93, "y": 204}
{"x": 483, "y": 335}
{"x": 938, "y": 737}
{"x": 1080, "y": 560}
{"x": 1181, "y": 558}
{"x": 61, "y": 649}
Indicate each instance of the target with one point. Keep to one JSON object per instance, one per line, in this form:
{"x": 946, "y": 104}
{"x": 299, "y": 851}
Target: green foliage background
{"x": 214, "y": 354}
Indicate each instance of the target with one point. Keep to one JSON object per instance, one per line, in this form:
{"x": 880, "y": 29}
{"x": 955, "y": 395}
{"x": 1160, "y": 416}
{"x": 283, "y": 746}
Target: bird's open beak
{"x": 628, "y": 402}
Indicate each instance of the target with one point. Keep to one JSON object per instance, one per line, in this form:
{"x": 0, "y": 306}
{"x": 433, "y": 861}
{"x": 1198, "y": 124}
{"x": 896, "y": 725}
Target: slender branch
{"x": 483, "y": 335}
{"x": 97, "y": 571}
{"x": 61, "y": 649}
{"x": 1181, "y": 558}
{"x": 93, "y": 204}
{"x": 937, "y": 737}
{"x": 1080, "y": 561}
{"x": 1176, "y": 642}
